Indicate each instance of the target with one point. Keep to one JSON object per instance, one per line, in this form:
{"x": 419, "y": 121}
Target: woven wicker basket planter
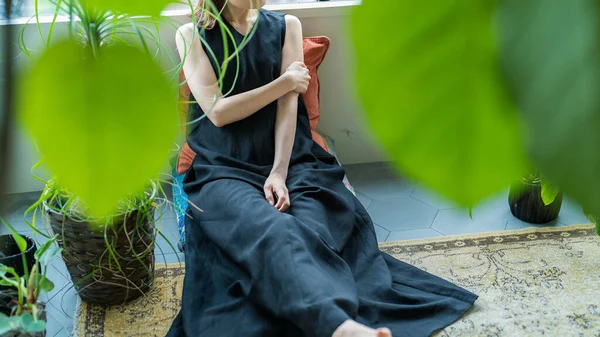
{"x": 95, "y": 274}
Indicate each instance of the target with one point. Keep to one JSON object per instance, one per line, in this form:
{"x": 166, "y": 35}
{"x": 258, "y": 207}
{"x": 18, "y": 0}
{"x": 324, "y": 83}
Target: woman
{"x": 281, "y": 247}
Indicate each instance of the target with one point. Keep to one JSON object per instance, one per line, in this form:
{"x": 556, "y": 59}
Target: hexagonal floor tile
{"x": 369, "y": 171}
{"x": 457, "y": 221}
{"x": 383, "y": 188}
{"x": 432, "y": 198}
{"x": 381, "y": 233}
{"x": 413, "y": 234}
{"x": 364, "y": 200}
{"x": 495, "y": 206}
{"x": 571, "y": 213}
{"x": 401, "y": 214}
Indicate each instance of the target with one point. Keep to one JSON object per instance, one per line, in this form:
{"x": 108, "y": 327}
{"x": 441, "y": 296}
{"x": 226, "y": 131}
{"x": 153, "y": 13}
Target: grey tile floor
{"x": 401, "y": 210}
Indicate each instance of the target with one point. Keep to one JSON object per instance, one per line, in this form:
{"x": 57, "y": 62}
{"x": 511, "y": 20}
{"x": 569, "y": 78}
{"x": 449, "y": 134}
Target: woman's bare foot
{"x": 351, "y": 328}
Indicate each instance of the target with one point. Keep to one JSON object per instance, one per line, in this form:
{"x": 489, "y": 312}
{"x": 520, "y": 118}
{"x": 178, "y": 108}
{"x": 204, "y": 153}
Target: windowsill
{"x": 301, "y": 10}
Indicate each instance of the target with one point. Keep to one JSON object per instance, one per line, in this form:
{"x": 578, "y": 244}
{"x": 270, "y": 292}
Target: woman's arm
{"x": 202, "y": 81}
{"x": 287, "y": 111}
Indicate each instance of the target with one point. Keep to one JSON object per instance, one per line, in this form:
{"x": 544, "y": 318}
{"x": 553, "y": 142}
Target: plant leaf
{"x": 46, "y": 285}
{"x": 433, "y": 96}
{"x": 41, "y": 250}
{"x": 7, "y": 324}
{"x": 104, "y": 125}
{"x": 131, "y": 7}
{"x": 549, "y": 192}
{"x": 21, "y": 242}
{"x": 49, "y": 255}
{"x": 7, "y": 283}
{"x": 31, "y": 325}
{"x": 4, "y": 269}
{"x": 550, "y": 58}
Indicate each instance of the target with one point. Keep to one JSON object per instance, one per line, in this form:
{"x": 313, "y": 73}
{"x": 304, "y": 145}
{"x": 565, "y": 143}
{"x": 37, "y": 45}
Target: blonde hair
{"x": 206, "y": 11}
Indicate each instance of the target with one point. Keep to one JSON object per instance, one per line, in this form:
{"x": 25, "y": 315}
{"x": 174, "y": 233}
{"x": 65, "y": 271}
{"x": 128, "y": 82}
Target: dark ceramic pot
{"x": 526, "y": 203}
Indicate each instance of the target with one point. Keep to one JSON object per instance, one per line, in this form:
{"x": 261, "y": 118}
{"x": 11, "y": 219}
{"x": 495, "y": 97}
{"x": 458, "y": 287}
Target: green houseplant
{"x": 108, "y": 253}
{"x": 26, "y": 315}
{"x": 111, "y": 258}
{"x": 534, "y": 199}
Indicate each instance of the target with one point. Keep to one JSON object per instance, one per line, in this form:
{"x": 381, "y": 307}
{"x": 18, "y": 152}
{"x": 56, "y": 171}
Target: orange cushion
{"x": 319, "y": 140}
{"x": 315, "y": 49}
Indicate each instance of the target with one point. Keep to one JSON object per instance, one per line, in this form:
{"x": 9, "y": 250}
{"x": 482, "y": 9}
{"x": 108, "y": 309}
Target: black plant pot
{"x": 11, "y": 256}
{"x": 526, "y": 203}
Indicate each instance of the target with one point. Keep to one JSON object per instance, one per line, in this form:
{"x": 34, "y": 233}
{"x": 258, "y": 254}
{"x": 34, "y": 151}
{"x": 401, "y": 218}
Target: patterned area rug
{"x": 533, "y": 282}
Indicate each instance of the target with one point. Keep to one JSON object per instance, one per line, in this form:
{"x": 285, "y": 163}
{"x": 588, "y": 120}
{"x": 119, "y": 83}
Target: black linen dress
{"x": 253, "y": 271}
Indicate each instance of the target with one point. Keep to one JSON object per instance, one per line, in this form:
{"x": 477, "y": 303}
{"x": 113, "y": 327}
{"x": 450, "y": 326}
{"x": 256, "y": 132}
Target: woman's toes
{"x": 384, "y": 332}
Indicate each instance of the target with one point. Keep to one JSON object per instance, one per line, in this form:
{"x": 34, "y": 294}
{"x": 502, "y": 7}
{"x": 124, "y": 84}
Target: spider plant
{"x": 97, "y": 28}
{"x": 130, "y": 232}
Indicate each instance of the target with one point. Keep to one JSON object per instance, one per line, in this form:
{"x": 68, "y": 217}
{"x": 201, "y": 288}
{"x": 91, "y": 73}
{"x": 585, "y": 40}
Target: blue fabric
{"x": 180, "y": 201}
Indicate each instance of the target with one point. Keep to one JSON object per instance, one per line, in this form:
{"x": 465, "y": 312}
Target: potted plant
{"x": 110, "y": 258}
{"x": 26, "y": 316}
{"x": 21, "y": 261}
{"x": 534, "y": 199}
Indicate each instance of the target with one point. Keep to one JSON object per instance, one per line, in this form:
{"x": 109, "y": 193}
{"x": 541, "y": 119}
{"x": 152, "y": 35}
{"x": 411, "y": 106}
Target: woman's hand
{"x": 275, "y": 190}
{"x": 298, "y": 73}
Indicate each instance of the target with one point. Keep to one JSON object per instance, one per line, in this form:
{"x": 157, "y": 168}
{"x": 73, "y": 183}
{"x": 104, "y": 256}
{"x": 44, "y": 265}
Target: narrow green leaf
{"x": 132, "y": 7}
{"x": 21, "y": 242}
{"x": 550, "y": 58}
{"x": 549, "y": 192}
{"x": 433, "y": 95}
{"x": 115, "y": 116}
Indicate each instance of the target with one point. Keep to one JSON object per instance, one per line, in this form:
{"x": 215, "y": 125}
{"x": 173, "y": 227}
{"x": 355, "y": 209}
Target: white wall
{"x": 341, "y": 115}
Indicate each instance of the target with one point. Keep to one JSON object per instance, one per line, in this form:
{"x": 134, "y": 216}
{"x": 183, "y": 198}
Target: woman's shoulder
{"x": 280, "y": 18}
{"x": 186, "y": 30}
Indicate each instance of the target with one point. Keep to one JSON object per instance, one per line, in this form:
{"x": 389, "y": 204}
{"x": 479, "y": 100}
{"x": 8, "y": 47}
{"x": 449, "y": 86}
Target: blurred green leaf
{"x": 21, "y": 242}
{"x": 549, "y": 192}
{"x": 429, "y": 82}
{"x": 7, "y": 324}
{"x": 30, "y": 325}
{"x": 550, "y": 57}
{"x": 131, "y": 7}
{"x": 104, "y": 125}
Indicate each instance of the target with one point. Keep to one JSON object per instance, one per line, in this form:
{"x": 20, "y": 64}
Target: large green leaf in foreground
{"x": 551, "y": 58}
{"x": 104, "y": 126}
{"x": 428, "y": 79}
